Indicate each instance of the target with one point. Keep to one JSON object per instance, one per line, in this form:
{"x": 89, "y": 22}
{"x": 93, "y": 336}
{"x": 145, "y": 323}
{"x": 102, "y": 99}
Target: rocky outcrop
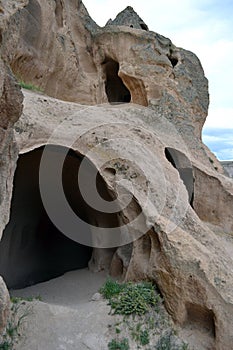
{"x": 48, "y": 44}
{"x": 187, "y": 254}
{"x": 228, "y": 167}
{"x": 69, "y": 57}
{"x": 128, "y": 18}
{"x": 176, "y": 227}
{"x": 10, "y": 110}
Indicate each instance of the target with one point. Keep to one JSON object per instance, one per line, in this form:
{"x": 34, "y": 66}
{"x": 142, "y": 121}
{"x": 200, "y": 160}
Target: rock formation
{"x": 128, "y": 18}
{"x": 144, "y": 137}
{"x": 228, "y": 167}
{"x": 10, "y": 110}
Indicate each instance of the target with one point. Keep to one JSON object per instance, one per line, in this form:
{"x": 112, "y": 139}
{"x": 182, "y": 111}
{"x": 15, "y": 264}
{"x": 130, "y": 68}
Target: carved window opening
{"x": 115, "y": 89}
{"x": 184, "y": 167}
{"x": 144, "y": 26}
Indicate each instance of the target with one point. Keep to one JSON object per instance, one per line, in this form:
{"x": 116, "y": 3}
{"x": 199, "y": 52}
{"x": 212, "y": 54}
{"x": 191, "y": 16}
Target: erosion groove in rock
{"x": 133, "y": 104}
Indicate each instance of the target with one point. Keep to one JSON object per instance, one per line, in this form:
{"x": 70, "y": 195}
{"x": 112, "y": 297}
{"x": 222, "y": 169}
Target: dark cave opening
{"x": 184, "y": 167}
{"x": 144, "y": 26}
{"x": 32, "y": 249}
{"x": 174, "y": 61}
{"x": 115, "y": 89}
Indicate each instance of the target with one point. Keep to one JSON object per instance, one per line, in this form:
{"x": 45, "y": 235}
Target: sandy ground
{"x": 67, "y": 318}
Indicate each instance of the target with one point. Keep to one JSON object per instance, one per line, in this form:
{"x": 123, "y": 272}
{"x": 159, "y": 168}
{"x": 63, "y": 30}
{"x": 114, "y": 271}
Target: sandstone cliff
{"x": 145, "y": 134}
{"x": 10, "y": 110}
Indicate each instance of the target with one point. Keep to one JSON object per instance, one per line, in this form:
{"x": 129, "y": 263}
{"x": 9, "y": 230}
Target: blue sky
{"x": 204, "y": 27}
{"x": 220, "y": 141}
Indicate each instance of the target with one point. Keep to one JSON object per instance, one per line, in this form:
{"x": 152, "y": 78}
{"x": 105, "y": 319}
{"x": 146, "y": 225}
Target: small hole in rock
{"x": 180, "y": 162}
{"x": 200, "y": 317}
{"x": 144, "y": 26}
{"x": 173, "y": 61}
{"x": 115, "y": 89}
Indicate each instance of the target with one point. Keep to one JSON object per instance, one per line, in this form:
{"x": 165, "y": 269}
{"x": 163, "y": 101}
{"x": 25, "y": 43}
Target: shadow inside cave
{"x": 32, "y": 249}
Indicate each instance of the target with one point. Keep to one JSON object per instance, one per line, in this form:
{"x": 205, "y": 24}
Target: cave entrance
{"x": 184, "y": 167}
{"x": 115, "y": 89}
{"x": 32, "y": 249}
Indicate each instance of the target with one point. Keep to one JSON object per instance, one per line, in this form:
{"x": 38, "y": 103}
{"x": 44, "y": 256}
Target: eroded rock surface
{"x": 128, "y": 18}
{"x": 57, "y": 47}
{"x": 188, "y": 260}
{"x": 10, "y": 110}
{"x": 151, "y": 145}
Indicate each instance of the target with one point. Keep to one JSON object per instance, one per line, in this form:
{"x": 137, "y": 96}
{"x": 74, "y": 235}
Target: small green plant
{"x": 29, "y": 86}
{"x": 144, "y": 337}
{"x": 111, "y": 288}
{"x": 141, "y": 336}
{"x": 184, "y": 346}
{"x": 119, "y": 345}
{"x": 118, "y": 331}
{"x": 18, "y": 314}
{"x": 164, "y": 342}
{"x": 140, "y": 311}
{"x": 5, "y": 346}
{"x": 135, "y": 299}
{"x": 16, "y": 300}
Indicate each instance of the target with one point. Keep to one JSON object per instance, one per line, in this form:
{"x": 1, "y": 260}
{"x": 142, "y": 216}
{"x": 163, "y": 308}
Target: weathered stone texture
{"x": 129, "y": 18}
{"x": 228, "y": 167}
{"x": 188, "y": 247}
{"x": 10, "y": 110}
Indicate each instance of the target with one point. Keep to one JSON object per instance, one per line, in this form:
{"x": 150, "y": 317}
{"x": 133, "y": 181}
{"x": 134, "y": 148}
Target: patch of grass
{"x": 29, "y": 86}
{"x": 164, "y": 342}
{"x": 17, "y": 316}
{"x": 118, "y": 330}
{"x": 142, "y": 317}
{"x": 5, "y": 346}
{"x": 119, "y": 344}
{"x": 134, "y": 299}
{"x": 141, "y": 336}
{"x": 111, "y": 288}
{"x": 16, "y": 300}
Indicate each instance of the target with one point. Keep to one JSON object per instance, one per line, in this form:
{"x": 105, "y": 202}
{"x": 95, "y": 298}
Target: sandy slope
{"x": 67, "y": 319}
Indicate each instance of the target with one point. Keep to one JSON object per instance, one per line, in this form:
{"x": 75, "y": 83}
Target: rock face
{"x": 129, "y": 18}
{"x": 228, "y": 167}
{"x": 47, "y": 44}
{"x": 10, "y": 110}
{"x": 80, "y": 62}
{"x": 144, "y": 139}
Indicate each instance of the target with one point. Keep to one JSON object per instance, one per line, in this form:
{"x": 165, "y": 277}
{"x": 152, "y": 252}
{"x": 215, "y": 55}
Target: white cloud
{"x": 221, "y": 118}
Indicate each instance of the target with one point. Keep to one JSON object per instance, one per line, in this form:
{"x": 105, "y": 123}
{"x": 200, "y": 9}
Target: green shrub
{"x": 111, "y": 288}
{"x": 5, "y": 346}
{"x": 119, "y": 345}
{"x": 17, "y": 316}
{"x": 134, "y": 299}
{"x": 141, "y": 337}
{"x": 16, "y": 300}
{"x": 29, "y": 86}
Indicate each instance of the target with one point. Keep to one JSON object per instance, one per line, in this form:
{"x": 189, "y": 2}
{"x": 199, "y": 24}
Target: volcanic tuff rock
{"x": 10, "y": 110}
{"x": 188, "y": 247}
{"x": 128, "y": 18}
